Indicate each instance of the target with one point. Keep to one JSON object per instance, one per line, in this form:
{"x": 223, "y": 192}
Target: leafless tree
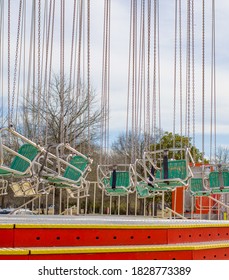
{"x": 222, "y": 155}
{"x": 132, "y": 146}
{"x": 68, "y": 115}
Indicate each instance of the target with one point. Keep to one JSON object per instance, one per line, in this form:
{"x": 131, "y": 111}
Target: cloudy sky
{"x": 119, "y": 54}
{"x": 120, "y": 29}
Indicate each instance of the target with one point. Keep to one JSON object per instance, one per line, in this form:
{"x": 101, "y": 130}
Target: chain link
{"x": 39, "y": 70}
{"x": 188, "y": 69}
{"x": 16, "y": 61}
{"x": 193, "y": 76}
{"x": 181, "y": 80}
{"x": 155, "y": 75}
{"x": 148, "y": 77}
{"x": 175, "y": 77}
{"x": 9, "y": 115}
{"x": 88, "y": 72}
{"x": 203, "y": 76}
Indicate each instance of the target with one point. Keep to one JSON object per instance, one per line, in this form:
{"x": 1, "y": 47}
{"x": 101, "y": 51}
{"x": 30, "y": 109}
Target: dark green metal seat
{"x": 122, "y": 183}
{"x": 145, "y": 190}
{"x": 197, "y": 187}
{"x": 177, "y": 174}
{"x": 219, "y": 181}
{"x": 176, "y": 169}
{"x": 73, "y": 174}
{"x": 19, "y": 165}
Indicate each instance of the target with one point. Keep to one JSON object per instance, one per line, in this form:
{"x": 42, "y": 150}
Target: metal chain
{"x": 193, "y": 77}
{"x": 50, "y": 67}
{"x": 181, "y": 80}
{"x": 154, "y": 121}
{"x": 20, "y": 63}
{"x": 39, "y": 70}
{"x": 70, "y": 71}
{"x": 175, "y": 76}
{"x": 213, "y": 89}
{"x": 128, "y": 86}
{"x": 108, "y": 78}
{"x": 88, "y": 72}
{"x": 214, "y": 98}
{"x": 103, "y": 108}
{"x": 159, "y": 74}
{"x": 133, "y": 79}
{"x": 16, "y": 61}
{"x": 105, "y": 82}
{"x": 188, "y": 72}
{"x": 72, "y": 45}
{"x": 46, "y": 68}
{"x": 141, "y": 76}
{"x": 203, "y": 76}
{"x": 9, "y": 115}
{"x": 77, "y": 60}
{"x": 79, "y": 50}
{"x": 1, "y": 56}
{"x": 62, "y": 138}
{"x": 148, "y": 77}
{"x": 34, "y": 65}
{"x": 63, "y": 63}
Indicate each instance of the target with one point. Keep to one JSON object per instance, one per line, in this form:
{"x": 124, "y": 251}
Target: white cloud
{"x": 120, "y": 21}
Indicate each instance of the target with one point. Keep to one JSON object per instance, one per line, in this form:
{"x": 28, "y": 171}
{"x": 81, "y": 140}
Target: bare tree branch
{"x": 75, "y": 104}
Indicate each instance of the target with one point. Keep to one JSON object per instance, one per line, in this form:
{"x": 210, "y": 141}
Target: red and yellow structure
{"x": 116, "y": 238}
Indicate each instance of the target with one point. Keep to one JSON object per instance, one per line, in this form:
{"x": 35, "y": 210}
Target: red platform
{"x": 111, "y": 237}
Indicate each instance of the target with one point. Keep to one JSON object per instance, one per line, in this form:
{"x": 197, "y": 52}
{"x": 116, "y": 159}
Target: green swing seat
{"x": 197, "y": 187}
{"x": 219, "y": 182}
{"x": 73, "y": 173}
{"x": 145, "y": 190}
{"x": 177, "y": 174}
{"x": 122, "y": 183}
{"x": 21, "y": 166}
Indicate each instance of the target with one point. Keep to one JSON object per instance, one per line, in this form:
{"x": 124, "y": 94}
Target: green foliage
{"x": 122, "y": 147}
{"x": 169, "y": 141}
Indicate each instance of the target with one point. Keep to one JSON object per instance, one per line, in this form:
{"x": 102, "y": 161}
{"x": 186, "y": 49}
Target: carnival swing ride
{"x": 47, "y": 153}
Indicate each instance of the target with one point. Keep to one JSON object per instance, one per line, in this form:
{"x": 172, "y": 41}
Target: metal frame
{"x": 61, "y": 162}
{"x": 3, "y": 147}
{"x": 149, "y": 158}
{"x": 104, "y": 172}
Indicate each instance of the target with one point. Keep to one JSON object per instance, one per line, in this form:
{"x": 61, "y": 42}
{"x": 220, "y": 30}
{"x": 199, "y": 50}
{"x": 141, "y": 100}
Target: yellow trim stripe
{"x": 119, "y": 226}
{"x": 14, "y": 251}
{"x": 87, "y": 226}
{"x": 6, "y": 226}
{"x": 125, "y": 249}
{"x": 110, "y": 249}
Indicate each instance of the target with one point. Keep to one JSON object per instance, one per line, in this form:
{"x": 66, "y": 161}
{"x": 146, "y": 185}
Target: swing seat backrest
{"x": 79, "y": 162}
{"x": 176, "y": 169}
{"x": 28, "y": 151}
{"x": 122, "y": 179}
{"x": 196, "y": 185}
{"x": 214, "y": 179}
{"x": 226, "y": 178}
